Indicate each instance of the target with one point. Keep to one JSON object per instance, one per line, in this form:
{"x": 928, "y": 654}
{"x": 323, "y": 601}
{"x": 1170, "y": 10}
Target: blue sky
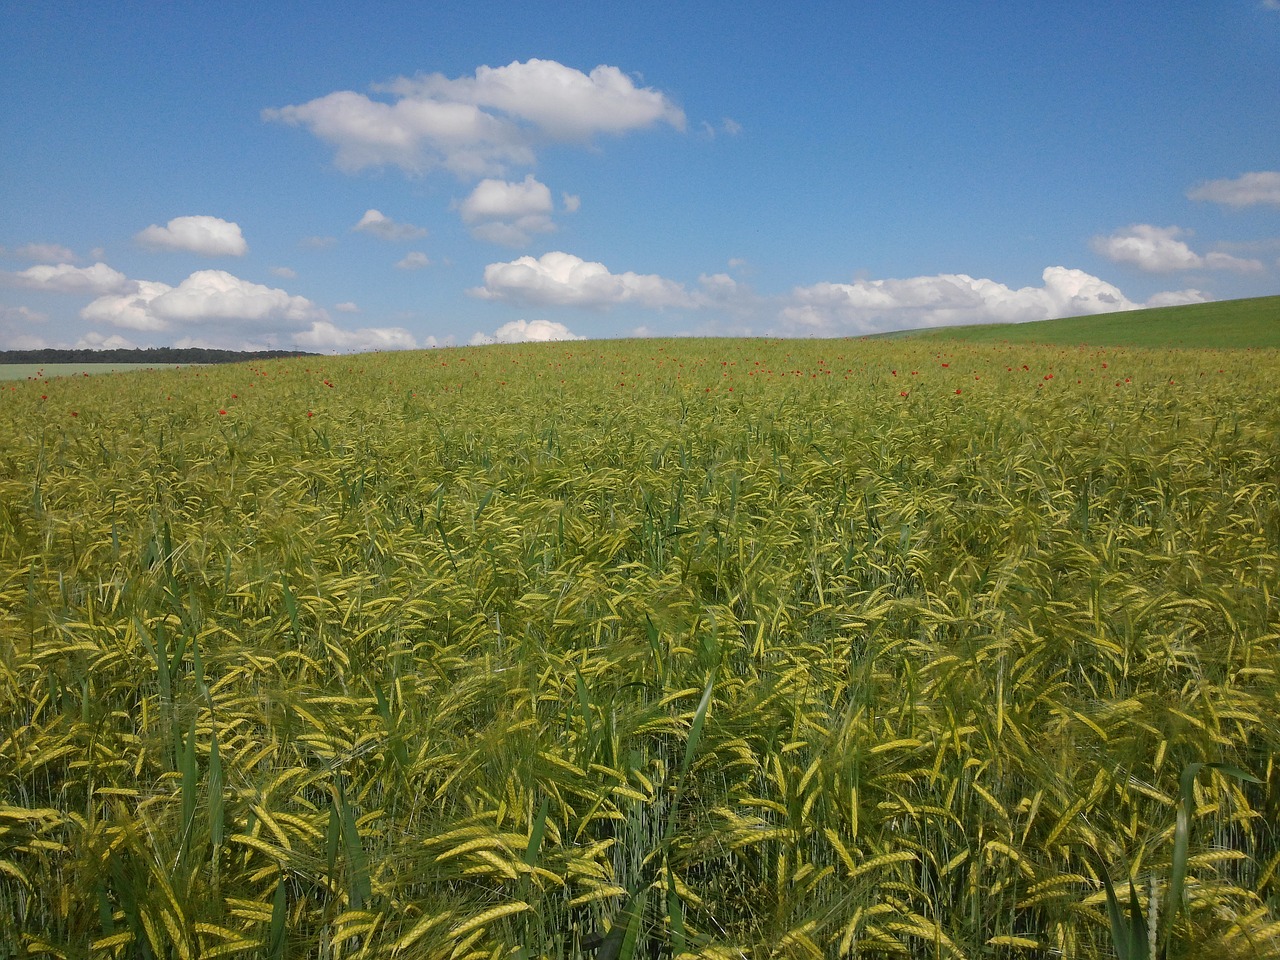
{"x": 319, "y": 176}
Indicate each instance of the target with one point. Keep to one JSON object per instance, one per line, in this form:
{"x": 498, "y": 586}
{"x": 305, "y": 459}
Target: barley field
{"x": 685, "y": 648}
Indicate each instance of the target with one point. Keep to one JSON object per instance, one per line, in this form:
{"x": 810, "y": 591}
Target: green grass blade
{"x": 216, "y": 819}
{"x": 690, "y": 748}
{"x": 675, "y": 914}
{"x": 279, "y": 914}
{"x": 1121, "y": 936}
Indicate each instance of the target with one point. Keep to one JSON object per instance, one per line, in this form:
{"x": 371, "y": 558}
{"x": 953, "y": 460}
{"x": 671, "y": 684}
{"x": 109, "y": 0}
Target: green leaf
{"x": 279, "y": 913}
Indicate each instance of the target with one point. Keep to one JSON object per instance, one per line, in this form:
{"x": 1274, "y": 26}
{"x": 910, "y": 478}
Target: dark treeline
{"x": 156, "y": 355}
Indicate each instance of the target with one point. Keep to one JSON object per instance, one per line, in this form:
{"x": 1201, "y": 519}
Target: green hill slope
{"x": 1223, "y": 324}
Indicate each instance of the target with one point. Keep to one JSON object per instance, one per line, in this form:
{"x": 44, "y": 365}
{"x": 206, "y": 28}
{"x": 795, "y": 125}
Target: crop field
{"x": 46, "y": 371}
{"x": 602, "y": 650}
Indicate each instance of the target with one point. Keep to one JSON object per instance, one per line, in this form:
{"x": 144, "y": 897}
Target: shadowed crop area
{"x": 719, "y": 649}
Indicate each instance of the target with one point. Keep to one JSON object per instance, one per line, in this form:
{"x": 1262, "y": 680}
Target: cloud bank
{"x": 822, "y": 309}
{"x": 213, "y": 308}
{"x": 207, "y": 236}
{"x": 205, "y": 297}
{"x": 873, "y": 306}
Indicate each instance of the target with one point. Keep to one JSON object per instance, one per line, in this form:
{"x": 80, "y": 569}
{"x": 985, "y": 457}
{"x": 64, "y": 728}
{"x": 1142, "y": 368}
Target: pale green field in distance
{"x": 633, "y": 649}
{"x": 47, "y": 371}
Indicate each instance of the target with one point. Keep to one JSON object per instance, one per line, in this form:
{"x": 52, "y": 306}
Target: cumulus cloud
{"x": 478, "y": 125}
{"x": 285, "y": 273}
{"x": 93, "y": 340}
{"x": 508, "y": 213}
{"x": 526, "y": 331}
{"x": 1178, "y": 298}
{"x": 564, "y": 280}
{"x": 413, "y": 260}
{"x": 872, "y": 306}
{"x": 324, "y": 336}
{"x": 346, "y": 307}
{"x": 564, "y": 103}
{"x": 48, "y": 252}
{"x": 501, "y": 200}
{"x": 207, "y": 297}
{"x": 207, "y": 236}
{"x": 1160, "y": 250}
{"x": 571, "y": 201}
{"x": 64, "y": 278}
{"x": 130, "y": 310}
{"x": 376, "y": 223}
{"x": 318, "y": 243}
{"x": 1246, "y": 190}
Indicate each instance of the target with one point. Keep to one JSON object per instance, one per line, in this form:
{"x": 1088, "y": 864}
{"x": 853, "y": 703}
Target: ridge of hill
{"x": 1222, "y": 324}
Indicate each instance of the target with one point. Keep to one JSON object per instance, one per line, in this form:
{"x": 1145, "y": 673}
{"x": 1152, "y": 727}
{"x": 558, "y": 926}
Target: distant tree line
{"x": 154, "y": 355}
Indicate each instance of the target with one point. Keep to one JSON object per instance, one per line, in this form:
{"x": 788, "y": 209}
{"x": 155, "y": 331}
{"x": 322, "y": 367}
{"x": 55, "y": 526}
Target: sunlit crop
{"x": 638, "y": 649}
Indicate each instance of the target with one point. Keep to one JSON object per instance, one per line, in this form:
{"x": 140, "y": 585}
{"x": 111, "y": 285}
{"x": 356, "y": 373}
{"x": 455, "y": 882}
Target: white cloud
{"x": 1246, "y": 190}
{"x": 413, "y": 260}
{"x": 526, "y": 331}
{"x": 20, "y": 316}
{"x": 64, "y": 278}
{"x": 508, "y": 213}
{"x": 49, "y": 252}
{"x": 318, "y": 243}
{"x": 208, "y": 236}
{"x": 325, "y": 336}
{"x": 22, "y": 341}
{"x": 479, "y": 125}
{"x": 376, "y": 223}
{"x": 562, "y": 102}
{"x": 501, "y": 200}
{"x": 416, "y": 134}
{"x": 285, "y": 273}
{"x": 206, "y": 298}
{"x": 1177, "y": 298}
{"x": 1159, "y": 250}
{"x": 15, "y": 328}
{"x": 571, "y": 201}
{"x": 346, "y": 307}
{"x": 93, "y": 340}
{"x": 131, "y": 310}
{"x": 872, "y": 306}
{"x": 562, "y": 279}
{"x": 728, "y": 126}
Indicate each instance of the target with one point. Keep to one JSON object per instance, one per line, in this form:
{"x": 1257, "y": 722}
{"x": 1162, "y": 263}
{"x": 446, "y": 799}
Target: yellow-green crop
{"x": 639, "y": 649}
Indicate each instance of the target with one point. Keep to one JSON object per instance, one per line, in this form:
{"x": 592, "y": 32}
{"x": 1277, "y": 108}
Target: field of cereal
{"x": 691, "y": 648}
